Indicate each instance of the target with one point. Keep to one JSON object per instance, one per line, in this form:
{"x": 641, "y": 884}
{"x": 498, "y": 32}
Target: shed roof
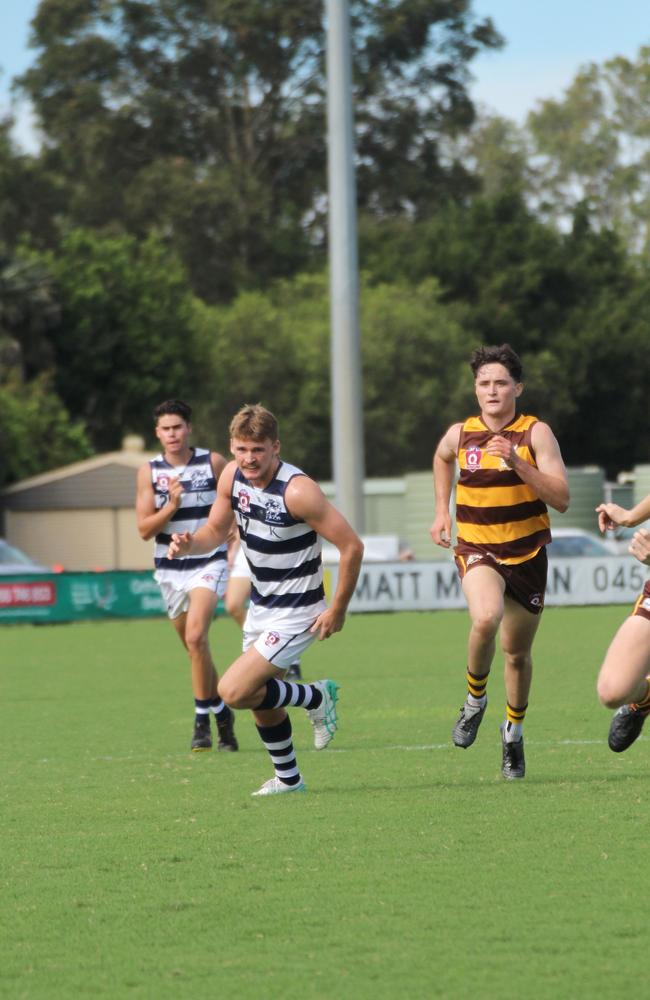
{"x": 103, "y": 481}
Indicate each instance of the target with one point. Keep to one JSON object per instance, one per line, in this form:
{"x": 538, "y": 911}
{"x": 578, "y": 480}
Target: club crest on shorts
{"x": 473, "y": 457}
{"x": 272, "y": 639}
{"x": 537, "y": 600}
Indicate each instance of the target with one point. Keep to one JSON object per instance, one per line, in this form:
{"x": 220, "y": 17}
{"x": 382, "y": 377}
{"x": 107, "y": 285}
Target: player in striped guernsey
{"x": 510, "y": 469}
{"x": 624, "y": 681}
{"x": 175, "y": 491}
{"x": 281, "y": 515}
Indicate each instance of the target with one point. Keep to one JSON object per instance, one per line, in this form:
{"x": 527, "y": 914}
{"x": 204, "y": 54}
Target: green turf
{"x": 132, "y": 868}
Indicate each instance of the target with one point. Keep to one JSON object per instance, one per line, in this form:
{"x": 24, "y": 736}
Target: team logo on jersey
{"x": 244, "y": 499}
{"x": 473, "y": 458}
{"x": 272, "y": 510}
{"x": 162, "y": 482}
{"x": 272, "y": 639}
{"x": 199, "y": 480}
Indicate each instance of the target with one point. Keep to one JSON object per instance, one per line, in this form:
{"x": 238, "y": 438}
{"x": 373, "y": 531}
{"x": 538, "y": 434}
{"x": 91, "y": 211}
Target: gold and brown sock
{"x": 514, "y": 722}
{"x": 476, "y": 694}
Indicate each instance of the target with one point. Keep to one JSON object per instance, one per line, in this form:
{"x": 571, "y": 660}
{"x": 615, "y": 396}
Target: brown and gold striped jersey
{"x": 496, "y": 511}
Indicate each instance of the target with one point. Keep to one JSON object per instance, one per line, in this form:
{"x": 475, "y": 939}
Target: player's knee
{"x": 517, "y": 660}
{"x": 610, "y": 693}
{"x": 196, "y": 641}
{"x": 231, "y": 692}
{"x": 486, "y": 623}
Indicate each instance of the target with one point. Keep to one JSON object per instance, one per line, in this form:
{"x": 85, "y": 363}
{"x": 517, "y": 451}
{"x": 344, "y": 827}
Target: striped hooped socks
{"x": 476, "y": 695}
{"x": 219, "y": 709}
{"x": 513, "y": 729}
{"x": 202, "y": 710}
{"x": 286, "y": 694}
{"x": 279, "y": 744}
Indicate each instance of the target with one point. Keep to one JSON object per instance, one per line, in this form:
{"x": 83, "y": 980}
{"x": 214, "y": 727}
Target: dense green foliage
{"x": 127, "y": 860}
{"x": 168, "y": 238}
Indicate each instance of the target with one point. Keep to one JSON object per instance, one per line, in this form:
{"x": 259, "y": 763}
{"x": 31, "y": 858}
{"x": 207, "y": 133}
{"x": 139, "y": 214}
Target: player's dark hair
{"x": 502, "y": 354}
{"x": 254, "y": 423}
{"x": 176, "y": 407}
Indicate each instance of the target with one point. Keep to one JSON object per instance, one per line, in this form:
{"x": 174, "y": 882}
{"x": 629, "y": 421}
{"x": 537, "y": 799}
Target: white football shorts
{"x": 279, "y": 648}
{"x": 176, "y": 593}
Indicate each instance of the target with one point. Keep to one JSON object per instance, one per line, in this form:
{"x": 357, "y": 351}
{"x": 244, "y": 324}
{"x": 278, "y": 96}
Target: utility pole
{"x": 345, "y": 340}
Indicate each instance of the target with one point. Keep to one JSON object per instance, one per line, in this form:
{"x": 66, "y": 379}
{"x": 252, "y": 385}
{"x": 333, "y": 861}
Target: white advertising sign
{"x": 427, "y": 586}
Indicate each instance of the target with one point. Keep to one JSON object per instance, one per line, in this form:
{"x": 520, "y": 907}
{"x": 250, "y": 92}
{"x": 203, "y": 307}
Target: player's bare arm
{"x": 149, "y": 520}
{"x": 610, "y": 515}
{"x": 305, "y": 499}
{"x": 218, "y": 463}
{"x": 444, "y": 469}
{"x": 549, "y": 479}
{"x": 217, "y": 527}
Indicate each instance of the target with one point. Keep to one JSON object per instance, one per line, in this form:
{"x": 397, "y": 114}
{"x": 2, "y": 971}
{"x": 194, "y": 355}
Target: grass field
{"x": 133, "y": 868}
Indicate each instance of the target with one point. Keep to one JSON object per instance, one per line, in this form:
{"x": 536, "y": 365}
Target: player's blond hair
{"x": 254, "y": 423}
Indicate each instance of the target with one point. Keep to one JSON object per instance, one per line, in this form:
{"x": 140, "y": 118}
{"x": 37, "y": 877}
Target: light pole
{"x": 347, "y": 408}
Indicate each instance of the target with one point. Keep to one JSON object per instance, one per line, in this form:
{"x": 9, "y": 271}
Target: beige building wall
{"x": 80, "y": 539}
{"x": 132, "y": 552}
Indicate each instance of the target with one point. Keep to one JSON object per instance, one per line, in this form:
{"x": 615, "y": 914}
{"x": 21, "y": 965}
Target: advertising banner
{"x": 66, "y": 597}
{"x": 391, "y": 586}
{"x": 426, "y": 586}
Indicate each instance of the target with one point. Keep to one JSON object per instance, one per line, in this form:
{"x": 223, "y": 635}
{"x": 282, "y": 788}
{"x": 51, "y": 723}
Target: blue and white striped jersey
{"x": 284, "y": 555}
{"x": 200, "y": 487}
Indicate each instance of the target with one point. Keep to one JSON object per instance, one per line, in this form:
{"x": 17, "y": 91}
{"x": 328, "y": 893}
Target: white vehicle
{"x": 569, "y": 543}
{"x": 15, "y": 562}
{"x": 620, "y": 537}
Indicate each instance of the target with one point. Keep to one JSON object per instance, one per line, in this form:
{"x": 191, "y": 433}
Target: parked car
{"x": 571, "y": 542}
{"x": 14, "y": 561}
{"x": 620, "y": 537}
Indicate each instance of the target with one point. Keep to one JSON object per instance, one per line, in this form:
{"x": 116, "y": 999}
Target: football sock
{"x": 513, "y": 729}
{"x": 644, "y": 704}
{"x": 201, "y": 709}
{"x": 284, "y": 694}
{"x": 219, "y": 709}
{"x": 278, "y": 742}
{"x": 476, "y": 696}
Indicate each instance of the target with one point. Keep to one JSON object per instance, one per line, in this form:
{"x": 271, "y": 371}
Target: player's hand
{"x": 640, "y": 546}
{"x": 440, "y": 530}
{"x": 501, "y": 447}
{"x": 179, "y": 545}
{"x": 610, "y": 516}
{"x": 175, "y": 495}
{"x": 327, "y": 623}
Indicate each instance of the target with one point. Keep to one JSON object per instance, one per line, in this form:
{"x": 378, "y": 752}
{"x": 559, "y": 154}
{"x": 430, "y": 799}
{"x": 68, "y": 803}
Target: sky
{"x": 547, "y": 41}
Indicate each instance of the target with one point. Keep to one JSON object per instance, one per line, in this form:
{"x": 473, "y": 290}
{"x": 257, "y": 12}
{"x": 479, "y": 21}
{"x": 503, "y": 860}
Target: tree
{"x": 125, "y": 338}
{"x": 594, "y": 146}
{"x": 36, "y": 432}
{"x": 273, "y": 348}
{"x": 206, "y": 121}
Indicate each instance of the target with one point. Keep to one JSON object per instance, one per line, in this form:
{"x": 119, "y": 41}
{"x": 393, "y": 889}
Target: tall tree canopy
{"x": 205, "y": 120}
{"x": 594, "y": 144}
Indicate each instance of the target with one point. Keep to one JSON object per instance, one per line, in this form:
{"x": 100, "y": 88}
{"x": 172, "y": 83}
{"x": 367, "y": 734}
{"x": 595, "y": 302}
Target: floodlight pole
{"x": 347, "y": 408}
